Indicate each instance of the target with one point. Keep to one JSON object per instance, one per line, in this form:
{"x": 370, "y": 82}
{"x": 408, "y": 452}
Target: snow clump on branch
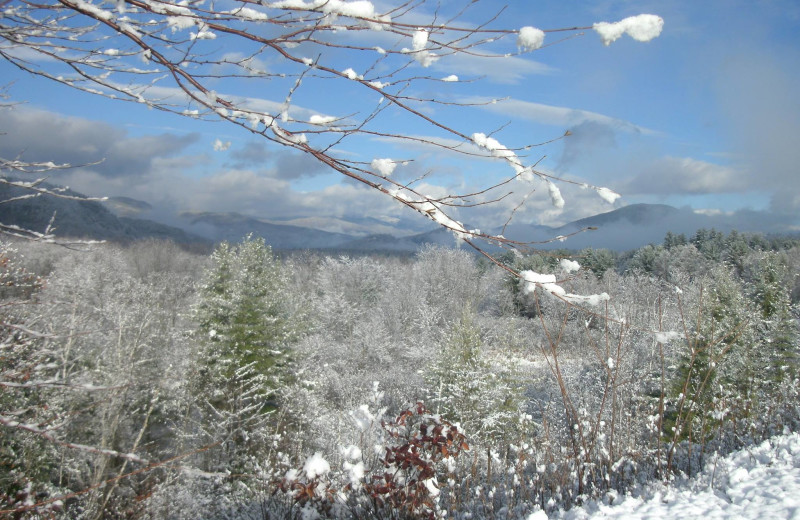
{"x": 608, "y": 195}
{"x": 569, "y": 266}
{"x": 530, "y": 38}
{"x": 643, "y": 28}
{"x": 530, "y": 280}
{"x": 418, "y": 42}
{"x": 317, "y": 119}
{"x": 384, "y": 167}
{"x": 498, "y": 150}
{"x": 97, "y": 12}
{"x": 351, "y": 74}
{"x": 555, "y": 194}
{"x": 427, "y": 207}
{"x": 316, "y": 466}
{"x": 203, "y": 34}
{"x": 358, "y": 9}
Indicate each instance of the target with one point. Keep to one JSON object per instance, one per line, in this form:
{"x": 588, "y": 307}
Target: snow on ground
{"x": 760, "y": 482}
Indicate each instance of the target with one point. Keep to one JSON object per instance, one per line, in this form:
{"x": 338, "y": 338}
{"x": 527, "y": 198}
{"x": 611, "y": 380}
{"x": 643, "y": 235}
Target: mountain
{"x": 637, "y": 225}
{"x": 407, "y": 244}
{"x": 82, "y": 219}
{"x": 625, "y": 228}
{"x": 353, "y": 225}
{"x": 126, "y": 206}
{"x": 635, "y": 214}
{"x": 233, "y": 226}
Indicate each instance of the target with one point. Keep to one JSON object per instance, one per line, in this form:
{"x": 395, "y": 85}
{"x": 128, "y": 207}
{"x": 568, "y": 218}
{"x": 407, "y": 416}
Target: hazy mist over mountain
{"x": 626, "y": 228}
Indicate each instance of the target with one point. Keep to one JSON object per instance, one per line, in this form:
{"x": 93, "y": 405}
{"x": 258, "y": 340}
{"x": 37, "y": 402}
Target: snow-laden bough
{"x": 530, "y": 280}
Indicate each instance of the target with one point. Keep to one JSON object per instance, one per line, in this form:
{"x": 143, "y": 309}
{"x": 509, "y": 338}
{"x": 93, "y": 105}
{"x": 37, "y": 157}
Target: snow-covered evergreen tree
{"x": 715, "y": 369}
{"x": 246, "y": 324}
{"x": 777, "y": 327}
{"x": 484, "y": 397}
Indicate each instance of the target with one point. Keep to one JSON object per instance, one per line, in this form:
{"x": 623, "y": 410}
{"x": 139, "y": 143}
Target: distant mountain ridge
{"x": 85, "y": 219}
{"x": 625, "y": 228}
{"x": 233, "y": 226}
{"x": 628, "y": 227}
{"x": 638, "y": 214}
{"x": 636, "y": 225}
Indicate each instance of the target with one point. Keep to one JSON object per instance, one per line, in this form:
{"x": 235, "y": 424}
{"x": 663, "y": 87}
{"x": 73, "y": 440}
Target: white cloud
{"x": 713, "y": 212}
{"x": 685, "y": 175}
{"x": 220, "y": 146}
{"x": 40, "y": 135}
{"x": 551, "y": 114}
{"x": 496, "y": 68}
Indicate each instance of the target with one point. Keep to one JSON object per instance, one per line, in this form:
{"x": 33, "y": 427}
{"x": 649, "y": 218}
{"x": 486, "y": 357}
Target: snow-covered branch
{"x": 204, "y": 61}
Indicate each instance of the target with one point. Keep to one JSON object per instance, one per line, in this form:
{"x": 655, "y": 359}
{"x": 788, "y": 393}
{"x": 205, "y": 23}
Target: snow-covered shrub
{"x": 27, "y": 459}
{"x": 104, "y": 356}
{"x": 588, "y": 390}
{"x": 406, "y": 482}
{"x": 742, "y": 345}
{"x": 448, "y": 281}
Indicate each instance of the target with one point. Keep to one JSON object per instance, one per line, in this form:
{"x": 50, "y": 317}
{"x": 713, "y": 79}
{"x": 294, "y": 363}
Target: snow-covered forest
{"x": 150, "y": 382}
{"x": 147, "y": 381}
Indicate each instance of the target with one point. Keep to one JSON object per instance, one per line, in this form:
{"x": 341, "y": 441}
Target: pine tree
{"x": 246, "y": 326}
{"x": 671, "y": 240}
{"x": 484, "y": 398}
{"x": 777, "y": 329}
{"x": 717, "y": 364}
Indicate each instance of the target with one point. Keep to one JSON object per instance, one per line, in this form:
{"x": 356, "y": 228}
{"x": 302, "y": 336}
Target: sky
{"x": 704, "y": 116}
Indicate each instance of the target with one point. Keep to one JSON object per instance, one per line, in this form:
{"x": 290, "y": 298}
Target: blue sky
{"x": 706, "y": 115}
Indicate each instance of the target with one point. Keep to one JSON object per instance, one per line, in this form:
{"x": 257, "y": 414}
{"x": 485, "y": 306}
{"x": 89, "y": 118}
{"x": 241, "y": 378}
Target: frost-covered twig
{"x": 10, "y": 422}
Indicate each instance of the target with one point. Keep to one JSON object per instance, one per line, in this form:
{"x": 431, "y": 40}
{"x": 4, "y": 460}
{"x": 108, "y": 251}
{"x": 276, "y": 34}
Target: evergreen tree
{"x": 650, "y": 259}
{"x": 777, "y": 328}
{"x": 597, "y": 260}
{"x": 246, "y": 326}
{"x": 483, "y": 397}
{"x": 717, "y": 363}
{"x": 710, "y": 242}
{"x": 736, "y": 249}
{"x": 671, "y": 240}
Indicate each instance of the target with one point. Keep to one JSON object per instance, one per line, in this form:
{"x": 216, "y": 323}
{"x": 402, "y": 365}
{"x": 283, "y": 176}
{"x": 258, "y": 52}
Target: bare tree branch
{"x": 100, "y": 49}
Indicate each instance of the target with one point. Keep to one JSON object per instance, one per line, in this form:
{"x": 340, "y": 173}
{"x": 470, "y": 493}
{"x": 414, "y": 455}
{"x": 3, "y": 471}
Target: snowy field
{"x": 760, "y": 482}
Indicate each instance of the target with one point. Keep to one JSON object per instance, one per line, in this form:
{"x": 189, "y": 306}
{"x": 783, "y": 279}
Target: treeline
{"x": 676, "y": 253}
{"x": 150, "y": 382}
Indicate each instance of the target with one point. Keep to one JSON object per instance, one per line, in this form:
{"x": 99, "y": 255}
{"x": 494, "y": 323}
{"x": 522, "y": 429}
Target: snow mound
{"x": 757, "y": 482}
